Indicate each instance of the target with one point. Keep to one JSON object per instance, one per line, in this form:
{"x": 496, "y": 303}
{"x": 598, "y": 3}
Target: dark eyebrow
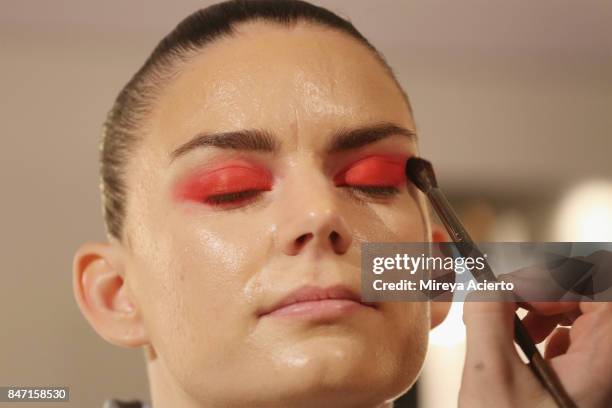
{"x": 262, "y": 141}
{"x": 250, "y": 139}
{"x": 348, "y": 139}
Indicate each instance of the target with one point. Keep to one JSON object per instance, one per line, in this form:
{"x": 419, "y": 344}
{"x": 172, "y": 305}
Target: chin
{"x": 338, "y": 371}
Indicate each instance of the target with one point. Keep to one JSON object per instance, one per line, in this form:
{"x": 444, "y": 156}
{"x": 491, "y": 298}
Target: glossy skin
{"x": 215, "y": 236}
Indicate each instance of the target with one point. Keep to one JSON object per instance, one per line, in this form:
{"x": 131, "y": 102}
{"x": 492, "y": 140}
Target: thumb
{"x": 493, "y": 373}
{"x": 490, "y": 334}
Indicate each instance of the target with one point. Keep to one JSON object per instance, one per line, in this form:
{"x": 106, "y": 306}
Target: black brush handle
{"x": 547, "y": 376}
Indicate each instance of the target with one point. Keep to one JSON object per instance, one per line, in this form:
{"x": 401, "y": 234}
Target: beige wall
{"x": 55, "y": 91}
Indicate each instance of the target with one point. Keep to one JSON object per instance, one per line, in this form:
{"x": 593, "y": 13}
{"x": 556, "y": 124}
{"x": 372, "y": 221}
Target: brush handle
{"x": 540, "y": 367}
{"x": 448, "y": 217}
{"x": 467, "y": 248}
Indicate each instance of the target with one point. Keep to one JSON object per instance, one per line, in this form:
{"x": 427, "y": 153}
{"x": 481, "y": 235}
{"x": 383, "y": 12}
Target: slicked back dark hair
{"x": 126, "y": 121}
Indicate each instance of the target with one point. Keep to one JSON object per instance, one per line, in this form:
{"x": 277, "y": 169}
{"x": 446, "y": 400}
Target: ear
{"x": 439, "y": 310}
{"x": 102, "y": 294}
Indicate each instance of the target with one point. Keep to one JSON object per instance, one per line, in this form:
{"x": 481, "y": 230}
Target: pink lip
{"x": 318, "y": 303}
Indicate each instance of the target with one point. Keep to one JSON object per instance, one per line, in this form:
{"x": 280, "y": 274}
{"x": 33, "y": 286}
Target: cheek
{"x": 411, "y": 322}
{"x": 401, "y": 222}
{"x": 406, "y": 219}
{"x": 214, "y": 258}
{"x": 191, "y": 267}
{"x": 202, "y": 277}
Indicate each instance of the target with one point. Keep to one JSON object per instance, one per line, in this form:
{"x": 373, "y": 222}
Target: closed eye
{"x": 234, "y": 182}
{"x": 377, "y": 191}
{"x": 239, "y": 197}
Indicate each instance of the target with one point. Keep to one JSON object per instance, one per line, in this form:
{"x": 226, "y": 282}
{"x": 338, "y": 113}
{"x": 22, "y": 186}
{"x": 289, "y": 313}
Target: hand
{"x": 581, "y": 355}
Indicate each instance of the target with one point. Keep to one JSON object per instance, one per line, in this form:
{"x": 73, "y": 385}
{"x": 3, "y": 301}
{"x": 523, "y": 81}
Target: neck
{"x": 165, "y": 392}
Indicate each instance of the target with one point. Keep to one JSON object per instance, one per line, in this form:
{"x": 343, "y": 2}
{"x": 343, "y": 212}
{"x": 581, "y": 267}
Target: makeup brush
{"x": 421, "y": 173}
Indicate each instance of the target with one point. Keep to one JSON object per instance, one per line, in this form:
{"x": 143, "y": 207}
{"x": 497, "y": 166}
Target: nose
{"x": 318, "y": 230}
{"x": 312, "y": 222}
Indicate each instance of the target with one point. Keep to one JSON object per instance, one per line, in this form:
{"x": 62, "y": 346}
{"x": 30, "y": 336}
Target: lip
{"x": 318, "y": 303}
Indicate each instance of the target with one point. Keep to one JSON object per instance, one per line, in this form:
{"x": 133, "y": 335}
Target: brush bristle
{"x": 420, "y": 171}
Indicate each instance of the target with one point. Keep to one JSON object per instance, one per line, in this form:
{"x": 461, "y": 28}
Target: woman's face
{"x": 223, "y": 229}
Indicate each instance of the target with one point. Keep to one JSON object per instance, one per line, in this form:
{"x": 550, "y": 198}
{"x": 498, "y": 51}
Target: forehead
{"x": 293, "y": 81}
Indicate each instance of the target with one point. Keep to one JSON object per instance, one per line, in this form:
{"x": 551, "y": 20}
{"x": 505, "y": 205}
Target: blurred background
{"x": 513, "y": 104}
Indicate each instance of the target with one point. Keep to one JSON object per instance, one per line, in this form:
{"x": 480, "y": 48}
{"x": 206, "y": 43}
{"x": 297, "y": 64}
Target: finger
{"x": 540, "y": 326}
{"x": 550, "y": 308}
{"x": 526, "y": 287}
{"x": 567, "y": 320}
{"x": 595, "y": 322}
{"x": 489, "y": 333}
{"x": 533, "y": 283}
{"x": 558, "y": 343}
{"x": 589, "y": 307}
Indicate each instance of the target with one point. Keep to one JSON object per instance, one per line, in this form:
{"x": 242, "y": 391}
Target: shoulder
{"x": 113, "y": 403}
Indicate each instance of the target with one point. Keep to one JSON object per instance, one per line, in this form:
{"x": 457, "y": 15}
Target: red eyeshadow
{"x": 232, "y": 177}
{"x": 375, "y": 170}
